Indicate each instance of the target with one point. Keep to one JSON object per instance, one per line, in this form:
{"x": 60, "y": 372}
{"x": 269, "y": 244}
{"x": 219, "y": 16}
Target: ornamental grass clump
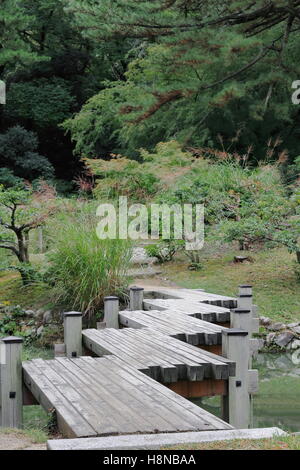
{"x": 85, "y": 269}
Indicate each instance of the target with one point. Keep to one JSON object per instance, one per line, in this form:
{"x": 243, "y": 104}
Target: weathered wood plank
{"x": 190, "y": 294}
{"x": 175, "y": 324}
{"x": 70, "y": 422}
{"x": 104, "y": 396}
{"x": 165, "y": 359}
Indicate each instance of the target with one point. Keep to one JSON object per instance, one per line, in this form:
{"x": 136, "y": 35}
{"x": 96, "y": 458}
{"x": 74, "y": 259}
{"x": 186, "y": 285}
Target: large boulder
{"x": 276, "y": 326}
{"x": 284, "y": 339}
{"x": 140, "y": 257}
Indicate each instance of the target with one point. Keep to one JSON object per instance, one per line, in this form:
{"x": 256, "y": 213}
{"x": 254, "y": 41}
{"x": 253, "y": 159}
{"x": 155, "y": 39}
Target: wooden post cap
{"x": 12, "y": 340}
{"x": 234, "y": 332}
{"x": 240, "y": 310}
{"x": 246, "y": 286}
{"x": 72, "y": 314}
{"x": 136, "y": 288}
{"x": 111, "y": 298}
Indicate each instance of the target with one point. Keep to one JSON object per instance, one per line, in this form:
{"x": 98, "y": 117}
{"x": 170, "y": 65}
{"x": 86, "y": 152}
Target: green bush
{"x": 83, "y": 268}
{"x": 165, "y": 250}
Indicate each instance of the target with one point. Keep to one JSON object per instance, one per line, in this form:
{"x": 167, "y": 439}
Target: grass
{"x": 34, "y": 296}
{"x": 280, "y": 443}
{"x": 275, "y": 286}
{"x": 35, "y": 418}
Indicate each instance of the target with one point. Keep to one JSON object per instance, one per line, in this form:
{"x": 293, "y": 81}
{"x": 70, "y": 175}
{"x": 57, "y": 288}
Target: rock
{"x": 47, "y": 317}
{"x": 284, "y": 339}
{"x": 30, "y": 313}
{"x": 295, "y": 344}
{"x": 296, "y": 329}
{"x": 276, "y": 326}
{"x": 39, "y": 331}
{"x": 270, "y": 337}
{"x": 39, "y": 313}
{"x": 242, "y": 259}
{"x": 292, "y": 325}
{"x": 265, "y": 321}
{"x": 140, "y": 257}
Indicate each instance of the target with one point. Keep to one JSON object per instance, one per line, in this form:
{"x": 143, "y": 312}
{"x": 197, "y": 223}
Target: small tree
{"x": 19, "y": 214}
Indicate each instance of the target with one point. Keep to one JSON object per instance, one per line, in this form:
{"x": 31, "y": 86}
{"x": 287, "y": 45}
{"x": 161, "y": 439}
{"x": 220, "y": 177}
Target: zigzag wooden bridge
{"x": 134, "y": 375}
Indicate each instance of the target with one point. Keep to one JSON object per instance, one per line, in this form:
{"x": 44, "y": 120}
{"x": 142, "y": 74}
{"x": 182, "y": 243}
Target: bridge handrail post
{"x": 236, "y": 404}
{"x": 111, "y": 312}
{"x": 136, "y": 298}
{"x": 73, "y": 334}
{"x": 11, "y": 393}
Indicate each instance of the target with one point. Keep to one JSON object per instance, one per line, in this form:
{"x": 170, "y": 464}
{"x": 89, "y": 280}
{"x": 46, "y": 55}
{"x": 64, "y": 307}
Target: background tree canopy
{"x": 199, "y": 69}
{"x": 95, "y": 78}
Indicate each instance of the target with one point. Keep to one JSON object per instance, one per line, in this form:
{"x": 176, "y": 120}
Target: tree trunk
{"x": 241, "y": 245}
{"x": 23, "y": 256}
{"x": 298, "y": 256}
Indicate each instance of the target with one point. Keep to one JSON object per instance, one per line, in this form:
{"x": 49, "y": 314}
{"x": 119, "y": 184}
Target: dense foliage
{"x": 199, "y": 70}
{"x": 250, "y": 205}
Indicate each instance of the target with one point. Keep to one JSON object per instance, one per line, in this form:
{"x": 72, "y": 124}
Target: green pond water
{"x": 278, "y": 400}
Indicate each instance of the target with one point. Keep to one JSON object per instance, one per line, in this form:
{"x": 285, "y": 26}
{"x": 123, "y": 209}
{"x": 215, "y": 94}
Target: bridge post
{"x": 236, "y": 404}
{"x": 11, "y": 393}
{"x": 241, "y": 318}
{"x": 73, "y": 334}
{"x": 245, "y": 301}
{"x": 111, "y": 312}
{"x": 136, "y": 296}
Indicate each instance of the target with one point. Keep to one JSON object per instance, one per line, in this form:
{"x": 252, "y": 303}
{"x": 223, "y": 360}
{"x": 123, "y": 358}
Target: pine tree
{"x": 199, "y": 68}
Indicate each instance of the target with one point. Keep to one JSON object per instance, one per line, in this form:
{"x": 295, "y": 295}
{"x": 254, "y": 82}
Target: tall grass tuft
{"x": 84, "y": 269}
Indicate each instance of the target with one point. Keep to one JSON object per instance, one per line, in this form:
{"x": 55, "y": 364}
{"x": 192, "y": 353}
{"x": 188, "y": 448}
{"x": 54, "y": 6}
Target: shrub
{"x": 165, "y": 250}
{"x": 84, "y": 269}
{"x": 19, "y": 153}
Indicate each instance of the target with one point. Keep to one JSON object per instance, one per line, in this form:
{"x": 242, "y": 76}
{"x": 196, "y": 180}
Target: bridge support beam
{"x": 11, "y": 392}
{"x": 136, "y": 297}
{"x": 73, "y": 334}
{"x": 236, "y": 404}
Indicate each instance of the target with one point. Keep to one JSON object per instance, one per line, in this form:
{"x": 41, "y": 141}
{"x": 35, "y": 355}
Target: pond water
{"x": 278, "y": 400}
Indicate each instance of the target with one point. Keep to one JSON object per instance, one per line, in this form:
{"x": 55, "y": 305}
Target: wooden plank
{"x": 176, "y": 402}
{"x": 105, "y": 396}
{"x": 175, "y": 324}
{"x": 70, "y": 422}
{"x": 112, "y": 406}
{"x": 117, "y": 395}
{"x": 164, "y": 370}
{"x": 189, "y": 294}
{"x": 206, "y": 312}
{"x": 103, "y": 348}
{"x": 214, "y": 366}
{"x": 141, "y": 397}
{"x": 89, "y": 397}
{"x": 162, "y": 353}
{"x": 187, "y": 368}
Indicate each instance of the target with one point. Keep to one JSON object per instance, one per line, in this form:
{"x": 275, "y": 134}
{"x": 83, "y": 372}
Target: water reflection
{"x": 278, "y": 401}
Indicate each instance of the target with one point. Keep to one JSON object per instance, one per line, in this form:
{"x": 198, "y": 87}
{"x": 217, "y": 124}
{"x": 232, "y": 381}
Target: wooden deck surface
{"x": 193, "y": 308}
{"x": 175, "y": 324}
{"x": 165, "y": 359}
{"x": 191, "y": 295}
{"x": 104, "y": 396}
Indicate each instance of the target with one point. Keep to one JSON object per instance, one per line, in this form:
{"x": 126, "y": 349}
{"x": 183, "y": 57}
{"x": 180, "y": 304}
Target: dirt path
{"x": 16, "y": 441}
